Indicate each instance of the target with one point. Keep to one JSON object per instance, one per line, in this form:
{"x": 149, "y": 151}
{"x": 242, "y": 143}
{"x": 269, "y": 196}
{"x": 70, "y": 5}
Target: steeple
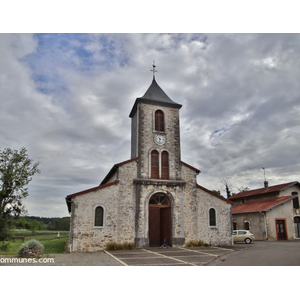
{"x": 155, "y": 96}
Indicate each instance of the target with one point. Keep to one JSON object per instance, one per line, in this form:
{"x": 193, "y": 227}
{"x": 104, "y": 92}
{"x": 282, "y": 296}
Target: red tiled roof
{"x": 92, "y": 189}
{"x": 271, "y": 189}
{"x": 264, "y": 205}
{"x": 69, "y": 197}
{"x": 214, "y": 194}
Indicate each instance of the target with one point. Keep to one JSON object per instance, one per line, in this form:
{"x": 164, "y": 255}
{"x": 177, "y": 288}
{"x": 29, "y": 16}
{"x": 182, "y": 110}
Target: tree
{"x": 16, "y": 171}
{"x": 243, "y": 189}
{"x": 228, "y": 187}
{"x": 218, "y": 192}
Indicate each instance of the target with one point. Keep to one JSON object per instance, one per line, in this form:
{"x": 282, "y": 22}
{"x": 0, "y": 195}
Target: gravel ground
{"x": 68, "y": 259}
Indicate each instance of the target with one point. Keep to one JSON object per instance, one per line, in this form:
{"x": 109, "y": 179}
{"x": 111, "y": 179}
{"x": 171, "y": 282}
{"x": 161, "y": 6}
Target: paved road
{"x": 170, "y": 257}
{"x": 263, "y": 253}
{"x": 259, "y": 253}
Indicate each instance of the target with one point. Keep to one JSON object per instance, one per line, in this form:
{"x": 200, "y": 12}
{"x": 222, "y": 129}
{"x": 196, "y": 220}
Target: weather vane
{"x": 153, "y": 70}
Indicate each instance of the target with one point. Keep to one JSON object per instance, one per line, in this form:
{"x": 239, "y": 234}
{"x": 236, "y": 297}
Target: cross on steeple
{"x": 153, "y": 70}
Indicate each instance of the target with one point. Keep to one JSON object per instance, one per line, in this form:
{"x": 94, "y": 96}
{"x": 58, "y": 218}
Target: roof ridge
{"x": 262, "y": 190}
{"x": 214, "y": 194}
{"x": 115, "y": 166}
{"x": 99, "y": 187}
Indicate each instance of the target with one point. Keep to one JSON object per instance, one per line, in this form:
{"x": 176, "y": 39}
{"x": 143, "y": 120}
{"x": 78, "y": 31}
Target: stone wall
{"x": 146, "y": 135}
{"x": 118, "y": 202}
{"x": 176, "y": 196}
{"x": 197, "y": 203}
{"x": 221, "y": 234}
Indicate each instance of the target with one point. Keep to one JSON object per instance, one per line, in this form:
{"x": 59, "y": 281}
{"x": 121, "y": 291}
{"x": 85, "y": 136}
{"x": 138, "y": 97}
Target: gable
{"x": 113, "y": 173}
{"x": 214, "y": 194}
{"x": 69, "y": 197}
{"x": 190, "y": 167}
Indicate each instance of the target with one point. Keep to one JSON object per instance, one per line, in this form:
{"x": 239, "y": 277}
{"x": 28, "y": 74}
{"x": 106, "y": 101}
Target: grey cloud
{"x": 239, "y": 93}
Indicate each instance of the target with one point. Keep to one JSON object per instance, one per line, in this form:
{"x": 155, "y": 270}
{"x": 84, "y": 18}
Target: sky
{"x": 66, "y": 98}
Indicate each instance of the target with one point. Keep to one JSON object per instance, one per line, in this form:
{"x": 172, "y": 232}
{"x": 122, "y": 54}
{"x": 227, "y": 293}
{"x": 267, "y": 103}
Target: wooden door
{"x": 165, "y": 227}
{"x": 154, "y": 226}
{"x": 280, "y": 228}
{"x": 160, "y": 221}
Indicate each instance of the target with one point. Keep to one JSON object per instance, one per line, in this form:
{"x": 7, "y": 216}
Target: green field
{"x": 49, "y": 239}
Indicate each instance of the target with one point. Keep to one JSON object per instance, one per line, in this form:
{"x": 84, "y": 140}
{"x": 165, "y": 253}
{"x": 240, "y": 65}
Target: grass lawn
{"x": 49, "y": 239}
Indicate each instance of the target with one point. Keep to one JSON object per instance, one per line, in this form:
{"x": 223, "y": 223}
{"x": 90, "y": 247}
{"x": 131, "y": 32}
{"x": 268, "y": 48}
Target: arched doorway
{"x": 160, "y": 221}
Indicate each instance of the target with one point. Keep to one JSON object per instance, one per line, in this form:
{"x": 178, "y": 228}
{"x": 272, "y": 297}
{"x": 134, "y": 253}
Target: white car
{"x": 243, "y": 236}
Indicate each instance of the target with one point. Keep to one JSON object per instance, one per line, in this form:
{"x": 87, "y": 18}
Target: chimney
{"x": 266, "y": 183}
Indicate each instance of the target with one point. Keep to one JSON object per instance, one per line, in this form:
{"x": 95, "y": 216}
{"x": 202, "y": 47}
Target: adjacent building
{"x": 270, "y": 213}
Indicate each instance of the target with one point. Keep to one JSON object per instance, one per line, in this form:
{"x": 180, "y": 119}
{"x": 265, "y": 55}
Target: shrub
{"x": 32, "y": 247}
{"x": 199, "y": 243}
{"x": 119, "y": 246}
{"x": 4, "y": 246}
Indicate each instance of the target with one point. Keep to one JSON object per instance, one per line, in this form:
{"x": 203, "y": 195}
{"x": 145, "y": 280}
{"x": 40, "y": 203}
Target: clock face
{"x": 159, "y": 139}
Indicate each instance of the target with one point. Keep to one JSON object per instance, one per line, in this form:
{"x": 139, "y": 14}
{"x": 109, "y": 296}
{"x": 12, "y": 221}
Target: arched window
{"x": 154, "y": 164}
{"x": 99, "y": 216}
{"x": 212, "y": 217}
{"x": 159, "y": 199}
{"x": 246, "y": 225}
{"x": 165, "y": 165}
{"x": 159, "y": 121}
{"x": 234, "y": 225}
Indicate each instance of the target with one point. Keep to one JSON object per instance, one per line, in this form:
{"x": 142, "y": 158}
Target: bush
{"x": 199, "y": 243}
{"x": 4, "y": 246}
{"x": 122, "y": 246}
{"x": 32, "y": 247}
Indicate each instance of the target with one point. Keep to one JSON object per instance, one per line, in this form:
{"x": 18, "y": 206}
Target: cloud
{"x": 67, "y": 98}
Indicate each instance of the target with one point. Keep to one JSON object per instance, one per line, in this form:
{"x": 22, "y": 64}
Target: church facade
{"x": 152, "y": 197}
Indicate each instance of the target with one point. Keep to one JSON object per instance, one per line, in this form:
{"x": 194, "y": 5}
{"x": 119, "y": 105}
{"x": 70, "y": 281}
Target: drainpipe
{"x": 264, "y": 214}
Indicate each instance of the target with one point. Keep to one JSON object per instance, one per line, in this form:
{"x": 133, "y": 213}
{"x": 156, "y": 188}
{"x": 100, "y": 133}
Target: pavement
{"x": 140, "y": 257}
{"x": 178, "y": 256}
{"x": 258, "y": 253}
{"x": 263, "y": 253}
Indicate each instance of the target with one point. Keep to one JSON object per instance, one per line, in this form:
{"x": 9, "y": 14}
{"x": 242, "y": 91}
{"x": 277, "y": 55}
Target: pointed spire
{"x": 154, "y": 96}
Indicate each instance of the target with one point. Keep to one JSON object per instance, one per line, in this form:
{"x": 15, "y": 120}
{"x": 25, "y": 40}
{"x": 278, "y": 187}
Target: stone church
{"x": 152, "y": 197}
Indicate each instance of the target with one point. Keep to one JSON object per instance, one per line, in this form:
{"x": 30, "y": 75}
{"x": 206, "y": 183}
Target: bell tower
{"x": 155, "y": 134}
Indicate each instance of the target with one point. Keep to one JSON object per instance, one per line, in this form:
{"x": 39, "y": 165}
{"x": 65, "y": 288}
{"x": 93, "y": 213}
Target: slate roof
{"x": 264, "y": 205}
{"x": 156, "y": 96}
{"x": 261, "y": 191}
